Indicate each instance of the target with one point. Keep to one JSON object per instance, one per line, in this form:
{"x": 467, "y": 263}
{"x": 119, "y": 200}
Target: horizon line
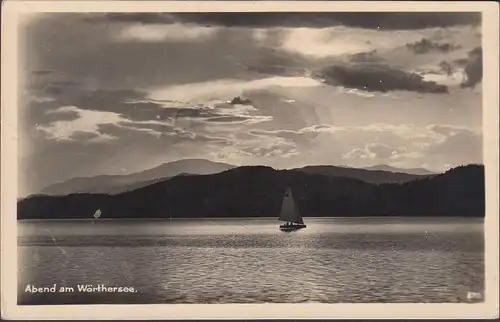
{"x": 21, "y": 197}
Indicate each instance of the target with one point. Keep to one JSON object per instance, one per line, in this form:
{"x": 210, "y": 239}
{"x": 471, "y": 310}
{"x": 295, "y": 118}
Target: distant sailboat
{"x": 290, "y": 213}
{"x": 97, "y": 214}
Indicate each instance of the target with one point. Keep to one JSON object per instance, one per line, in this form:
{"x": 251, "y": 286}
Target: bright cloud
{"x": 227, "y": 89}
{"x": 253, "y": 149}
{"x": 338, "y": 41}
{"x": 355, "y": 91}
{"x": 85, "y": 127}
{"x": 173, "y": 32}
{"x": 87, "y": 122}
{"x": 454, "y": 79}
{"x": 431, "y": 143}
{"x": 396, "y": 145}
{"x": 372, "y": 151}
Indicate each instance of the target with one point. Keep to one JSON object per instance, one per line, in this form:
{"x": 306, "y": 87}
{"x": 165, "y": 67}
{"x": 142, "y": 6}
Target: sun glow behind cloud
{"x": 339, "y": 41}
{"x": 227, "y": 88}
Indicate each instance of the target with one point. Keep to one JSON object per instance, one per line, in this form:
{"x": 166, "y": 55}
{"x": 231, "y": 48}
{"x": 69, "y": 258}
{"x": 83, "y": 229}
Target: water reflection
{"x": 243, "y": 261}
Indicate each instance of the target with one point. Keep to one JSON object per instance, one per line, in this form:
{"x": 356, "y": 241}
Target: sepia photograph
{"x": 250, "y": 157}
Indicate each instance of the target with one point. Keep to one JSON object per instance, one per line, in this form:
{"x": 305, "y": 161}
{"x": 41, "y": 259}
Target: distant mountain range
{"x": 370, "y": 175}
{"x": 415, "y": 171}
{"x": 257, "y": 191}
{"x": 114, "y": 184}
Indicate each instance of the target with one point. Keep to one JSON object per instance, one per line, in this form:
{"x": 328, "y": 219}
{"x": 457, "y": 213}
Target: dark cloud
{"x": 41, "y": 81}
{"x": 115, "y": 94}
{"x": 426, "y": 45}
{"x": 136, "y": 17}
{"x": 371, "y": 20}
{"x": 60, "y": 116}
{"x": 366, "y": 57}
{"x": 228, "y": 119}
{"x": 241, "y": 101}
{"x": 273, "y": 61}
{"x": 102, "y": 58}
{"x": 446, "y": 67}
{"x": 462, "y": 62}
{"x": 53, "y": 90}
{"x": 379, "y": 78}
{"x": 473, "y": 68}
{"x": 131, "y": 104}
{"x": 269, "y": 69}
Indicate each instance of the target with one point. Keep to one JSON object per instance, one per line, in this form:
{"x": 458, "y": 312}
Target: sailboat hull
{"x": 292, "y": 227}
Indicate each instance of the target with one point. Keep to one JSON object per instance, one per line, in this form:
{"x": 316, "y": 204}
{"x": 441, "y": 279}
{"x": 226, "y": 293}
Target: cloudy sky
{"x": 120, "y": 93}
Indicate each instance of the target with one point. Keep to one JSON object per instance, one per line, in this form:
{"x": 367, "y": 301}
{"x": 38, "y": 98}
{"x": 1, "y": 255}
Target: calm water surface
{"x": 251, "y": 261}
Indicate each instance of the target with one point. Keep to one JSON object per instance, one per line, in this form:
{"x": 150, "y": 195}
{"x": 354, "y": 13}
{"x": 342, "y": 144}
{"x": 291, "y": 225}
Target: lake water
{"x": 333, "y": 260}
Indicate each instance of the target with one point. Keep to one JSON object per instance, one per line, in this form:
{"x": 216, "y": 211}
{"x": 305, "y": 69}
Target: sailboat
{"x": 290, "y": 213}
{"x": 97, "y": 214}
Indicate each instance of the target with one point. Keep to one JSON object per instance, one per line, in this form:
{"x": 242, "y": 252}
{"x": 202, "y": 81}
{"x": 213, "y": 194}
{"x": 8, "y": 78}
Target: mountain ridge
{"x": 415, "y": 171}
{"x": 371, "y": 176}
{"x": 256, "y": 191}
{"x": 113, "y": 184}
{"x": 119, "y": 183}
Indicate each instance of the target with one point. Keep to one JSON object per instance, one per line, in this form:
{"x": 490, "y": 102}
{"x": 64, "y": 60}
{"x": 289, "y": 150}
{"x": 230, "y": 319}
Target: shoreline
{"x": 247, "y": 218}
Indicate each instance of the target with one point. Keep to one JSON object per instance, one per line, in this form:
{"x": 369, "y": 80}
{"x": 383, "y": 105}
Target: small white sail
{"x": 289, "y": 209}
{"x": 97, "y": 214}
